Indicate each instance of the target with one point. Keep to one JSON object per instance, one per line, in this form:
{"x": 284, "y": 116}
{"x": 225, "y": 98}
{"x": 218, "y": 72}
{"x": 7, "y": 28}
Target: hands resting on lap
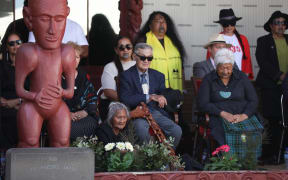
{"x": 236, "y": 118}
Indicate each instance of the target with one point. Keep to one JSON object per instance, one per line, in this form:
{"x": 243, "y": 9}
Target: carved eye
{"x": 44, "y": 18}
{"x": 59, "y": 18}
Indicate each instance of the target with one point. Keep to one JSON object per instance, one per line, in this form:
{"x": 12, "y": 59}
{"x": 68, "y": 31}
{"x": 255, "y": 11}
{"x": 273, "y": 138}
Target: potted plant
{"x": 223, "y": 160}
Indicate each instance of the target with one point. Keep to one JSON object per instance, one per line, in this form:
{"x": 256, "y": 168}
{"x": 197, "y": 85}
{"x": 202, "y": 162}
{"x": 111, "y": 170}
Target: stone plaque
{"x": 50, "y": 164}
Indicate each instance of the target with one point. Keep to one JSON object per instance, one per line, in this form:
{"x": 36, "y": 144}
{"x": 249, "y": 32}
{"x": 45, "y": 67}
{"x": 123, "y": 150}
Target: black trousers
{"x": 271, "y": 110}
{"x": 9, "y": 131}
{"x": 217, "y": 130}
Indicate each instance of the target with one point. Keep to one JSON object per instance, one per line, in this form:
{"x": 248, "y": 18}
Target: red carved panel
{"x": 198, "y": 175}
{"x": 130, "y": 17}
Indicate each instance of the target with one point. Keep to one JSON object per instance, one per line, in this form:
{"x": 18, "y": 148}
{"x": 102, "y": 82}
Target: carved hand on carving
{"x": 46, "y": 97}
{"x": 55, "y": 91}
{"x": 43, "y": 100}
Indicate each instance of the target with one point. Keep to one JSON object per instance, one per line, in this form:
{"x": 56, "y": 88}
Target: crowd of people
{"x": 141, "y": 73}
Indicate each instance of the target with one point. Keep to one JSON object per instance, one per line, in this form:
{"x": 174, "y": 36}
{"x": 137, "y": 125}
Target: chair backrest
{"x": 196, "y": 84}
{"x": 196, "y": 116}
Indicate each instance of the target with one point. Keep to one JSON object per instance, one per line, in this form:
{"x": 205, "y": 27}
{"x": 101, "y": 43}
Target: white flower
{"x": 120, "y": 146}
{"x": 129, "y": 146}
{"x": 109, "y": 146}
{"x": 79, "y": 145}
{"x": 85, "y": 144}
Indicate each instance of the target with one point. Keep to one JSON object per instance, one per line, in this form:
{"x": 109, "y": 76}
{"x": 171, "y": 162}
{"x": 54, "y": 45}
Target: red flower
{"x": 215, "y": 152}
{"x": 225, "y": 148}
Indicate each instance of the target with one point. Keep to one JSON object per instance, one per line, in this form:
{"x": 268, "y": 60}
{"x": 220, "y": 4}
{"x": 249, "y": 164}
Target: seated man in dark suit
{"x": 142, "y": 84}
{"x": 216, "y": 42}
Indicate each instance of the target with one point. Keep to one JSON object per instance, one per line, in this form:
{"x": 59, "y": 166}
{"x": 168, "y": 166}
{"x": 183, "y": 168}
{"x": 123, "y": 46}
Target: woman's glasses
{"x": 226, "y": 24}
{"x": 13, "y": 43}
{"x": 143, "y": 58}
{"x": 127, "y": 46}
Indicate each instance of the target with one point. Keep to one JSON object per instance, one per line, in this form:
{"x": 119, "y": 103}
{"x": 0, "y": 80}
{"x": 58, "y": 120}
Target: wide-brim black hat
{"x": 227, "y": 15}
{"x": 276, "y": 14}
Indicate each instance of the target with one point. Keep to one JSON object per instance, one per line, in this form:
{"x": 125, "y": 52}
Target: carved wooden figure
{"x": 45, "y": 62}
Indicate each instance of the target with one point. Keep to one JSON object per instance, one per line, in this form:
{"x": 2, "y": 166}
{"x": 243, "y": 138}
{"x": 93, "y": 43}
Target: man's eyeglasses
{"x": 143, "y": 58}
{"x": 13, "y": 43}
{"x": 127, "y": 46}
{"x": 226, "y": 24}
{"x": 284, "y": 23}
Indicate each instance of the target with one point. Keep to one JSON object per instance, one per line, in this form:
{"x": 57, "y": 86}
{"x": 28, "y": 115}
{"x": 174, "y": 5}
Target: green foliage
{"x": 156, "y": 156}
{"x": 120, "y": 161}
{"x": 249, "y": 162}
{"x": 122, "y": 156}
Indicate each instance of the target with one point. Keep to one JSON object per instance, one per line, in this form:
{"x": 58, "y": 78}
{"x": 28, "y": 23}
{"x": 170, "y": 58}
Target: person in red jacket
{"x": 240, "y": 45}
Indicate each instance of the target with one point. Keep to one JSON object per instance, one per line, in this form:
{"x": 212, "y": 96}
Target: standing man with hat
{"x": 240, "y": 46}
{"x": 216, "y": 42}
{"x": 272, "y": 58}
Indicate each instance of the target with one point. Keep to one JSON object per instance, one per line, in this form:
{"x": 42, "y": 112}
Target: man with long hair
{"x": 168, "y": 51}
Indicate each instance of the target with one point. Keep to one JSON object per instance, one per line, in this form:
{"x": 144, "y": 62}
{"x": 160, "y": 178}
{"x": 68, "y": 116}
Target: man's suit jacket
{"x": 200, "y": 69}
{"x": 267, "y": 59}
{"x": 130, "y": 88}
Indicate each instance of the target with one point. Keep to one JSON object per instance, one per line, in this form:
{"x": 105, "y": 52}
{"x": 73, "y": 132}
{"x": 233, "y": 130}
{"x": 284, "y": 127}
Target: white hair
{"x": 114, "y": 107}
{"x": 142, "y": 46}
{"x": 223, "y": 56}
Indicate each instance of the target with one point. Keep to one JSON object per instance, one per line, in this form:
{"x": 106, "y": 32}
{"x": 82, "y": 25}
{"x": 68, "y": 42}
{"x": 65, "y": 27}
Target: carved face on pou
{"x": 47, "y": 20}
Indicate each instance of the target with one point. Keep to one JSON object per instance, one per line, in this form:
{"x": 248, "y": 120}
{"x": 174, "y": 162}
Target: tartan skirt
{"x": 244, "y": 138}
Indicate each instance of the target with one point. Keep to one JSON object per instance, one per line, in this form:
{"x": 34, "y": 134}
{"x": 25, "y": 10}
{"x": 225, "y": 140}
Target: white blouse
{"x": 109, "y": 73}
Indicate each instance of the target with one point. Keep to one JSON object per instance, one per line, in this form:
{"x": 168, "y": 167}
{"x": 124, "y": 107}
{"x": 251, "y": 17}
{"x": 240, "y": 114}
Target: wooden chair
{"x": 202, "y": 139}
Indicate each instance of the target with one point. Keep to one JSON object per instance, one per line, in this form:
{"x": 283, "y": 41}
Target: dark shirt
{"x": 84, "y": 97}
{"x": 238, "y": 97}
{"x": 106, "y": 135}
{"x": 8, "y": 89}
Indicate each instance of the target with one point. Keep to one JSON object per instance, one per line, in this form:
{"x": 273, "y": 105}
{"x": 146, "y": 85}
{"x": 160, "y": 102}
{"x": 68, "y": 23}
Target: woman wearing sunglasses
{"x": 9, "y": 99}
{"x": 122, "y": 61}
{"x": 240, "y": 46}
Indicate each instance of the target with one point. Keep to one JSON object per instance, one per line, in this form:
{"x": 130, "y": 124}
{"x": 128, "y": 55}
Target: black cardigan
{"x": 267, "y": 59}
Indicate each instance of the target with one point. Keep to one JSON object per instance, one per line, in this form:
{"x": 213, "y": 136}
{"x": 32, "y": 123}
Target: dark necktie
{"x": 143, "y": 79}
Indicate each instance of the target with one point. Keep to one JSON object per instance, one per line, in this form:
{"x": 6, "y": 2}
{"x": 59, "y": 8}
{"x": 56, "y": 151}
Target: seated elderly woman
{"x": 115, "y": 128}
{"x": 83, "y": 106}
{"x": 230, "y": 99}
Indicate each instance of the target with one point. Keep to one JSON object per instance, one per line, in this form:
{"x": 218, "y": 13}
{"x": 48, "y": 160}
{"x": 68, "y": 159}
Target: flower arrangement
{"x": 120, "y": 156}
{"x": 223, "y": 160}
{"x": 156, "y": 156}
{"x": 123, "y": 156}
